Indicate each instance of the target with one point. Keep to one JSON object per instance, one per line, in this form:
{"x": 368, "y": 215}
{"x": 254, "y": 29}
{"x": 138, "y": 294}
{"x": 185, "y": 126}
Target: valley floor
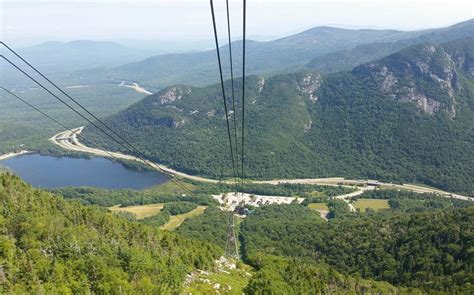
{"x": 69, "y": 140}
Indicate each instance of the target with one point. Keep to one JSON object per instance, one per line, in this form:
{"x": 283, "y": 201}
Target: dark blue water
{"x": 52, "y": 172}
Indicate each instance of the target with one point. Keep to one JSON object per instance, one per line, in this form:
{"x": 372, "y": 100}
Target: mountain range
{"x": 406, "y": 117}
{"x": 326, "y": 49}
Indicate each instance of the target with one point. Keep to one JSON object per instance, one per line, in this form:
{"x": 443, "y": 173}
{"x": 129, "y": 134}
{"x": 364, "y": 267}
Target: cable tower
{"x": 231, "y": 248}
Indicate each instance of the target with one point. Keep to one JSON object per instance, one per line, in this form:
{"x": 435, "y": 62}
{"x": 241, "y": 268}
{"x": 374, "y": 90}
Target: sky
{"x": 35, "y": 21}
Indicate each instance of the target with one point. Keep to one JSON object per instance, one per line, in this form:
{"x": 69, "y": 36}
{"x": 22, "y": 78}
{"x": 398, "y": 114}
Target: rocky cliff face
{"x": 426, "y": 75}
{"x": 309, "y": 85}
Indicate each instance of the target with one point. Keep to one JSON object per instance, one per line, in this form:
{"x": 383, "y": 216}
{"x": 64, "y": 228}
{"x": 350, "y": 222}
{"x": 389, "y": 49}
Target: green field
{"x": 319, "y": 206}
{"x": 374, "y": 204}
{"x": 176, "y": 220}
{"x": 141, "y": 211}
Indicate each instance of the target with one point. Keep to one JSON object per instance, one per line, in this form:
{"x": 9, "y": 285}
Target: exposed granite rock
{"x": 172, "y": 94}
{"x": 309, "y": 85}
{"x": 404, "y": 76}
{"x": 261, "y": 83}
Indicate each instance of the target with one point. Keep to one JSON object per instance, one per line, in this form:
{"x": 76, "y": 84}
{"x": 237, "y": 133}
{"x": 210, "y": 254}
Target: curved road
{"x": 69, "y": 140}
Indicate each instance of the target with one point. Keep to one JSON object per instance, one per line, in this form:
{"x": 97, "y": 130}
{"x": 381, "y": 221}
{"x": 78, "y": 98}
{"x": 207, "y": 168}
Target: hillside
{"x": 427, "y": 250}
{"x": 80, "y": 67}
{"x": 419, "y": 245}
{"x": 52, "y": 246}
{"x": 407, "y": 117}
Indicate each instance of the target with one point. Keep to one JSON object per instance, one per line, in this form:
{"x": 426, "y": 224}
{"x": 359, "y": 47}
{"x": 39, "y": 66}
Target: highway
{"x": 69, "y": 140}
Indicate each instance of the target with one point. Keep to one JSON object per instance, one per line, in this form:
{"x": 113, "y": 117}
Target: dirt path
{"x": 347, "y": 197}
{"x": 69, "y": 140}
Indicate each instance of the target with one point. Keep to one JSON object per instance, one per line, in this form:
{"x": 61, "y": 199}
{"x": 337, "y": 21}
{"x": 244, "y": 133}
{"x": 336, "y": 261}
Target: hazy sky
{"x": 170, "y": 20}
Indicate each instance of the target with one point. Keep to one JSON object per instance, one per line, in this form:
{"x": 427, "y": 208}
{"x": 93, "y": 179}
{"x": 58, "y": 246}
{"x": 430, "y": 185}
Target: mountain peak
{"x": 425, "y": 74}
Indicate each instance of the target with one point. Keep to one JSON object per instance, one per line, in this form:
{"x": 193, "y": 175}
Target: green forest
{"x": 52, "y": 246}
{"x": 422, "y": 244}
{"x": 429, "y": 250}
{"x": 305, "y": 125}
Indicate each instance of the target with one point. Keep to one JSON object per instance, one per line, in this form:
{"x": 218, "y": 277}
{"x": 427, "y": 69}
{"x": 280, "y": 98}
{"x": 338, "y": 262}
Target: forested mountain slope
{"x": 52, "y": 246}
{"x": 278, "y": 55}
{"x": 421, "y": 244}
{"x": 430, "y": 250}
{"x": 407, "y": 117}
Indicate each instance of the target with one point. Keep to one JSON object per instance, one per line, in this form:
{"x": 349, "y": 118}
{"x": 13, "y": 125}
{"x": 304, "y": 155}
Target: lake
{"x": 54, "y": 172}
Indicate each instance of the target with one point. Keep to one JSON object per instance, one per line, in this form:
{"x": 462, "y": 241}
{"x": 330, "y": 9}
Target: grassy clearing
{"x": 141, "y": 211}
{"x": 319, "y": 206}
{"x": 375, "y": 204}
{"x": 176, "y": 220}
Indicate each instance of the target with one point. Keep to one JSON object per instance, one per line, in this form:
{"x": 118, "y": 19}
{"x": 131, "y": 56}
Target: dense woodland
{"x": 125, "y": 197}
{"x": 423, "y": 243}
{"x": 283, "y": 275}
{"x": 49, "y": 245}
{"x": 304, "y": 125}
{"x": 430, "y": 250}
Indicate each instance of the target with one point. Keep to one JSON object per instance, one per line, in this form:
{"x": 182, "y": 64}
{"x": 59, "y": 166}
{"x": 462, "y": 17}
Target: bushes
{"x": 282, "y": 275}
{"x": 175, "y": 208}
{"x": 126, "y": 197}
{"x": 157, "y": 220}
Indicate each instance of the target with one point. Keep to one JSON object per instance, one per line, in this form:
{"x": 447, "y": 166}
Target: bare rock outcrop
{"x": 309, "y": 85}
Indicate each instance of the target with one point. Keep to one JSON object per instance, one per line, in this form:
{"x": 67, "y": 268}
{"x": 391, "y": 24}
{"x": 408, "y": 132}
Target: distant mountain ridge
{"x": 344, "y": 60}
{"x": 407, "y": 117}
{"x": 293, "y": 51}
{"x": 55, "y": 56}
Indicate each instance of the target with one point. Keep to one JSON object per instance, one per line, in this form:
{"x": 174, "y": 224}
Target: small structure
{"x": 373, "y": 183}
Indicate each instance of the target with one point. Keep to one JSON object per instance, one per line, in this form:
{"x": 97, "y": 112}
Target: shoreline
{"x": 13, "y": 154}
{"x": 68, "y": 140}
